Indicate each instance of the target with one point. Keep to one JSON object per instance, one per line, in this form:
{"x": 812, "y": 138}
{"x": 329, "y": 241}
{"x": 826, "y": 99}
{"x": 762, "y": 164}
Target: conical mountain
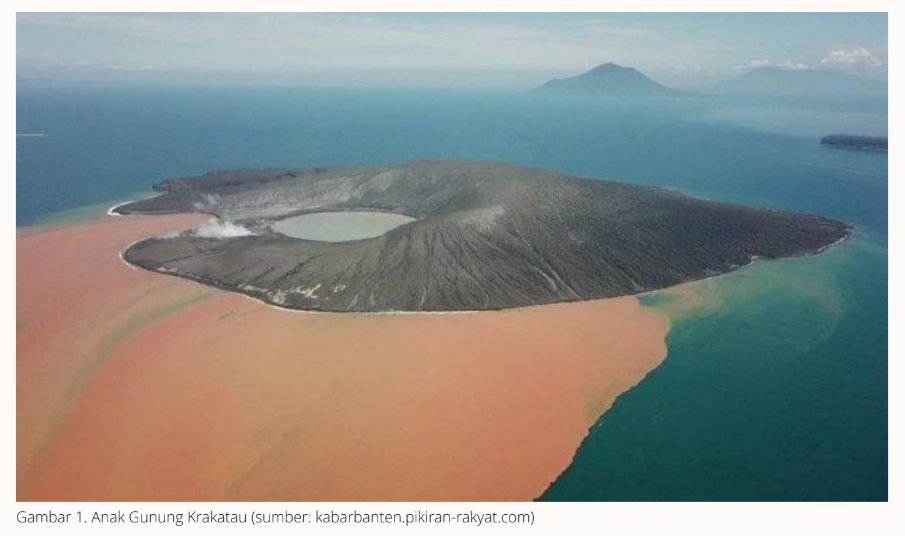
{"x": 609, "y": 79}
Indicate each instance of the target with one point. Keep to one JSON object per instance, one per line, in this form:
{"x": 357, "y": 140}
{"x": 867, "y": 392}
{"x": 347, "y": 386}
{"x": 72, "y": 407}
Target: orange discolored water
{"x": 137, "y": 386}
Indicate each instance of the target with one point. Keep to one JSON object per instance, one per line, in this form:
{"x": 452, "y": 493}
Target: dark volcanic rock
{"x": 488, "y": 236}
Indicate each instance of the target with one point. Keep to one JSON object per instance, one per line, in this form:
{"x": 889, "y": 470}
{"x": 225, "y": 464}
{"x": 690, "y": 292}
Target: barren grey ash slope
{"x": 488, "y": 236}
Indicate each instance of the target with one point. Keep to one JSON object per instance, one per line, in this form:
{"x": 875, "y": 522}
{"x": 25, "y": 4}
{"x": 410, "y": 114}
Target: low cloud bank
{"x": 858, "y": 58}
{"x": 215, "y": 228}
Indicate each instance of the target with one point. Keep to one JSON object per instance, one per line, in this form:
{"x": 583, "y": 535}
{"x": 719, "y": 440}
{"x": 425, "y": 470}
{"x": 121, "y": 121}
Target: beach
{"x": 136, "y": 386}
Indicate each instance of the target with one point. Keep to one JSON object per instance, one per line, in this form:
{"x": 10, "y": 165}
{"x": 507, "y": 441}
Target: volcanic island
{"x": 160, "y": 389}
{"x": 454, "y": 236}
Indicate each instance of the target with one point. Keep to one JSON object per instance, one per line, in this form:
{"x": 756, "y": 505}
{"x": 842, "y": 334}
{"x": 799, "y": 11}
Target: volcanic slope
{"x": 486, "y": 236}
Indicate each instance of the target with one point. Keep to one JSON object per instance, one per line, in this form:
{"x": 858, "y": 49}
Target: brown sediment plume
{"x": 133, "y": 385}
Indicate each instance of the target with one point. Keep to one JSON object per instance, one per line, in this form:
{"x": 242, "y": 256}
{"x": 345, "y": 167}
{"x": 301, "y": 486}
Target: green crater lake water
{"x": 340, "y": 226}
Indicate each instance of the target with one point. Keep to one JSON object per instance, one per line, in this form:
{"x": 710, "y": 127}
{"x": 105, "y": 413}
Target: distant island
{"x": 785, "y": 82}
{"x": 611, "y": 80}
{"x": 864, "y": 143}
{"x": 467, "y": 236}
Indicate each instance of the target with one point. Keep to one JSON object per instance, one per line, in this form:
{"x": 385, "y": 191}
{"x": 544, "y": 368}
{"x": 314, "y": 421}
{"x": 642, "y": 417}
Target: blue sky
{"x": 483, "y": 50}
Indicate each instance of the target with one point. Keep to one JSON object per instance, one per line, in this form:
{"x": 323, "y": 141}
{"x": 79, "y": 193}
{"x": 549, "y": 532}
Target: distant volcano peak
{"x": 608, "y": 67}
{"x": 609, "y": 79}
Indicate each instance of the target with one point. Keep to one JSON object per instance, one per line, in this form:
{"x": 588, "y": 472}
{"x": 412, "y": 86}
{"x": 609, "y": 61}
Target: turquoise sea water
{"x": 775, "y": 386}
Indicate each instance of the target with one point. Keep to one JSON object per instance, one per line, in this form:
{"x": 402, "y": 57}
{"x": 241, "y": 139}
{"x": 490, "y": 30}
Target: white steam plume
{"x": 214, "y": 228}
{"x": 208, "y": 201}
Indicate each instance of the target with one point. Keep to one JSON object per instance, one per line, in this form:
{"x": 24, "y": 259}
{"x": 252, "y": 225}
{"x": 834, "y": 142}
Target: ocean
{"x": 776, "y": 382}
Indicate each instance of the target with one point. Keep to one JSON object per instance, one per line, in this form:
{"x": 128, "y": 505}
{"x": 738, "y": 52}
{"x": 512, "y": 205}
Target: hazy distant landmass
{"x": 609, "y": 79}
{"x": 487, "y": 236}
{"x": 776, "y": 81}
{"x": 866, "y": 143}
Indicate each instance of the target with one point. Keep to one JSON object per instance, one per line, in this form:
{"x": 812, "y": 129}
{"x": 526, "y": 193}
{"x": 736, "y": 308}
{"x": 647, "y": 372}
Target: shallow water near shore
{"x": 775, "y": 385}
